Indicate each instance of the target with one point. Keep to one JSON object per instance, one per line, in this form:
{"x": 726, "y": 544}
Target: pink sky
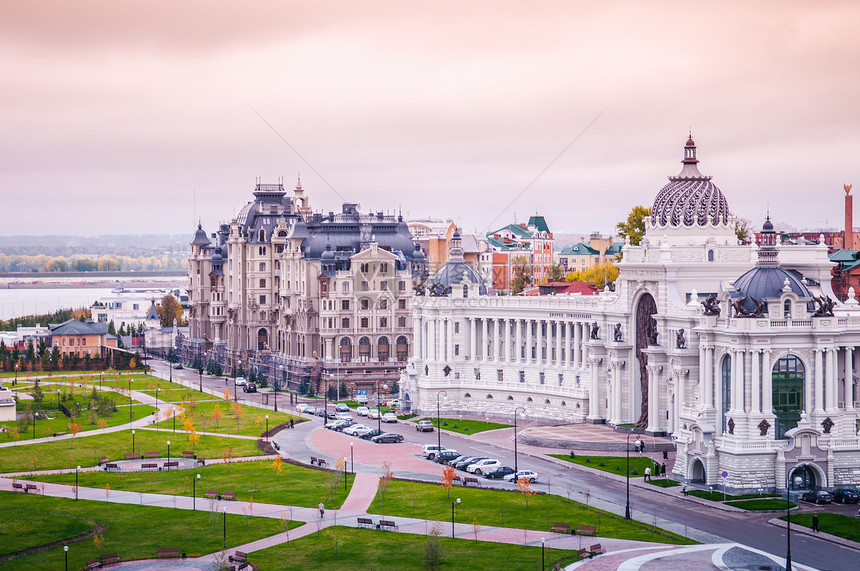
{"x": 116, "y": 114}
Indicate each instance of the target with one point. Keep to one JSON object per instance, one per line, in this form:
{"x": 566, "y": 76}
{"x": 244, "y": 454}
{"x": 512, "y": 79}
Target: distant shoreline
{"x": 68, "y": 280}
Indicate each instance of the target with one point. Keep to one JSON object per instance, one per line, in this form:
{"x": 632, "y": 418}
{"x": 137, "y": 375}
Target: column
{"x": 518, "y": 349}
{"x": 449, "y": 349}
{"x": 485, "y": 339}
{"x": 738, "y": 382}
{"x": 848, "y": 392}
{"x": 767, "y": 383}
{"x": 506, "y": 324}
{"x": 594, "y": 391}
{"x": 616, "y": 386}
{"x": 755, "y": 383}
{"x": 559, "y": 330}
{"x": 416, "y": 337}
{"x": 473, "y": 339}
{"x": 495, "y": 340}
{"x": 709, "y": 377}
{"x": 568, "y": 344}
{"x": 682, "y": 392}
{"x": 830, "y": 381}
{"x": 652, "y": 400}
{"x": 819, "y": 382}
{"x": 577, "y": 339}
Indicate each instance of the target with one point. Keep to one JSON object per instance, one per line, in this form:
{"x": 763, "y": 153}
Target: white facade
{"x": 760, "y": 394}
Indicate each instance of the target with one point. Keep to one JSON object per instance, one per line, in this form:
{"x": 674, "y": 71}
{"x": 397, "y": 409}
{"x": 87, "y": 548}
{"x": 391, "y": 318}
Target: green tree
{"x": 31, "y": 352}
{"x": 111, "y": 328}
{"x": 634, "y": 227}
{"x": 743, "y": 230}
{"x": 523, "y": 275}
{"x": 556, "y": 273}
{"x": 168, "y": 310}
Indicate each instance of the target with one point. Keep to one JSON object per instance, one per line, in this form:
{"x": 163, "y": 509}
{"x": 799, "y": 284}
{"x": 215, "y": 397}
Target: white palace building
{"x": 734, "y": 350}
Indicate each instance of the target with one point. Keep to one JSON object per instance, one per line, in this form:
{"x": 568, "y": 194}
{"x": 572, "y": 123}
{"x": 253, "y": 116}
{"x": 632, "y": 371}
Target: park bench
{"x": 457, "y": 480}
{"x": 387, "y": 524}
{"x": 583, "y": 554}
{"x": 152, "y": 454}
{"x": 239, "y": 557}
{"x": 103, "y": 459}
{"x": 467, "y": 481}
{"x": 17, "y": 486}
{"x": 168, "y": 465}
{"x": 131, "y": 455}
{"x": 32, "y": 488}
{"x": 586, "y": 530}
{"x": 559, "y": 527}
{"x": 275, "y": 444}
{"x": 188, "y": 454}
{"x": 596, "y": 549}
{"x": 110, "y": 559}
{"x": 365, "y": 522}
{"x": 150, "y": 466}
{"x": 314, "y": 460}
{"x": 212, "y": 494}
{"x": 111, "y": 466}
{"x": 167, "y": 552}
{"x": 60, "y": 434}
{"x": 93, "y": 563}
{"x": 228, "y": 496}
{"x": 201, "y": 461}
{"x": 322, "y": 462}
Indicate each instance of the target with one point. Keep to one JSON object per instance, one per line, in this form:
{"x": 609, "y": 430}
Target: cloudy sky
{"x": 140, "y": 117}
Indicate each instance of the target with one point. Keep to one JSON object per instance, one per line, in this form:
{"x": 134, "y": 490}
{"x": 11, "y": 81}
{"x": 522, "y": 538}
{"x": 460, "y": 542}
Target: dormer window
{"x": 786, "y": 309}
{"x": 262, "y": 235}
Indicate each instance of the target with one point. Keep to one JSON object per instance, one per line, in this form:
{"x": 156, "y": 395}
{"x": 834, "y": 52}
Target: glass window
{"x": 788, "y": 381}
{"x": 344, "y": 303}
{"x": 726, "y": 384}
{"x": 401, "y": 304}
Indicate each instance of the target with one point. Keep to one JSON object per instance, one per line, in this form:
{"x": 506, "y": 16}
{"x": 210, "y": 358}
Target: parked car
{"x": 464, "y": 461}
{"x": 344, "y": 424}
{"x": 818, "y": 497}
{"x": 310, "y": 409}
{"x": 249, "y": 388}
{"x": 846, "y": 496}
{"x": 362, "y": 411}
{"x": 425, "y": 426}
{"x": 302, "y": 406}
{"x": 332, "y": 414}
{"x": 389, "y": 417}
{"x": 446, "y": 456}
{"x": 343, "y": 416}
{"x": 373, "y": 413}
{"x": 341, "y": 407}
{"x": 527, "y": 474}
{"x": 241, "y": 381}
{"x": 429, "y": 450}
{"x": 178, "y": 366}
{"x": 355, "y": 428}
{"x": 499, "y": 472}
{"x": 336, "y": 425}
{"x": 483, "y": 466}
{"x": 387, "y": 437}
{"x": 371, "y": 434}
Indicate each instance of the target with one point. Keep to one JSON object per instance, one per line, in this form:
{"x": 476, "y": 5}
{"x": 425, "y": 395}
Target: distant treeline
{"x": 58, "y": 316}
{"x": 44, "y": 263}
{"x": 88, "y": 246}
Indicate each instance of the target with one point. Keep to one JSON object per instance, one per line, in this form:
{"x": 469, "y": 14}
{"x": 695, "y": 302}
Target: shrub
{"x": 602, "y": 464}
{"x": 588, "y": 460}
{"x": 634, "y": 472}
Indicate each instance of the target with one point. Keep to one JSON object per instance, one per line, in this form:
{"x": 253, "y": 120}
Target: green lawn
{"x": 344, "y": 549}
{"x": 464, "y": 426}
{"x": 252, "y": 420}
{"x": 717, "y": 496}
{"x": 86, "y": 451}
{"x": 296, "y": 486}
{"x": 835, "y": 524}
{"x": 509, "y": 509}
{"x": 58, "y": 422}
{"x": 664, "y": 483}
{"x": 760, "y": 504}
{"x": 198, "y": 533}
{"x": 612, "y": 464}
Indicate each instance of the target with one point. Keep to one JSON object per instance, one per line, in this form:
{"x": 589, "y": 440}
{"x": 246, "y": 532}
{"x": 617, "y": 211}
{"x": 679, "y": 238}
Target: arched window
{"x": 725, "y": 389}
{"x": 364, "y": 349}
{"x": 382, "y": 349}
{"x": 710, "y": 255}
{"x": 510, "y": 397}
{"x": 788, "y": 380}
{"x": 402, "y": 349}
{"x": 345, "y": 350}
{"x": 529, "y": 399}
{"x": 490, "y": 397}
{"x": 465, "y": 290}
{"x": 786, "y": 309}
{"x": 467, "y": 395}
{"x": 262, "y": 235}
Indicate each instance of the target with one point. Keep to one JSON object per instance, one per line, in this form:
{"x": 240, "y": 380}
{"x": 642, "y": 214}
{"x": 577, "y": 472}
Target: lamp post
{"x": 351, "y": 459}
{"x": 132, "y": 440}
{"x": 267, "y": 428}
{"x": 234, "y": 384}
{"x": 627, "y": 507}
{"x": 516, "y": 466}
{"x": 200, "y": 369}
{"x": 173, "y": 414}
{"x": 76, "y": 481}
{"x": 130, "y": 407}
{"x": 788, "y": 526}
{"x": 34, "y": 425}
{"x": 275, "y": 386}
{"x": 454, "y": 503}
{"x": 225, "y": 527}
{"x": 17, "y": 366}
{"x": 102, "y": 380}
{"x": 439, "y": 422}
{"x": 168, "y": 452}
{"x": 66, "y": 552}
{"x": 194, "y": 492}
{"x": 58, "y": 399}
{"x": 543, "y": 553}
{"x": 379, "y": 406}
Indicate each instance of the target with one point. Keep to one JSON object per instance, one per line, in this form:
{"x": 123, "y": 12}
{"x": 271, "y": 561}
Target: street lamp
{"x": 275, "y": 386}
{"x": 234, "y": 384}
{"x": 130, "y": 407}
{"x": 325, "y": 402}
{"x": 439, "y": 422}
{"x": 522, "y": 408}
{"x": 132, "y": 440}
{"x": 454, "y": 503}
{"x": 627, "y": 507}
{"x": 225, "y": 527}
{"x": 168, "y": 451}
{"x": 379, "y": 406}
{"x": 543, "y": 553}
{"x": 76, "y": 481}
{"x": 267, "y": 428}
{"x": 788, "y": 526}
{"x": 17, "y": 366}
{"x": 58, "y": 399}
{"x": 194, "y": 492}
{"x": 200, "y": 368}
{"x": 351, "y": 459}
{"x": 66, "y": 552}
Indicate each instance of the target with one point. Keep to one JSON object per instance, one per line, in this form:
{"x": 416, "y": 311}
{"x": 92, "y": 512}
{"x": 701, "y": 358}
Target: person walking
{"x": 648, "y": 473}
{"x": 291, "y": 423}
{"x": 665, "y": 454}
{"x": 815, "y": 523}
{"x": 663, "y": 469}
{"x": 321, "y": 508}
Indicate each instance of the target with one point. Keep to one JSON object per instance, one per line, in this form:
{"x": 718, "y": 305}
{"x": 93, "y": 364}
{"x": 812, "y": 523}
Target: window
{"x": 364, "y": 304}
{"x": 522, "y": 376}
{"x": 383, "y": 286}
{"x": 324, "y": 287}
{"x": 401, "y": 304}
{"x": 262, "y": 266}
{"x": 83, "y": 341}
{"x": 364, "y": 286}
{"x": 383, "y": 304}
{"x": 344, "y": 286}
{"x": 465, "y": 290}
{"x": 383, "y": 268}
{"x": 383, "y": 322}
{"x": 364, "y": 323}
{"x": 262, "y": 300}
{"x": 477, "y": 374}
{"x": 401, "y": 321}
{"x": 788, "y": 384}
{"x": 726, "y": 377}
{"x": 344, "y": 304}
{"x": 364, "y": 349}
{"x": 456, "y": 350}
{"x": 401, "y": 286}
{"x": 542, "y": 377}
{"x": 382, "y": 349}
{"x": 262, "y": 238}
{"x": 344, "y": 322}
{"x": 786, "y": 309}
{"x": 363, "y": 268}
{"x": 263, "y": 282}
{"x": 456, "y": 327}
{"x": 710, "y": 255}
{"x": 135, "y": 306}
{"x": 560, "y": 379}
{"x": 500, "y": 374}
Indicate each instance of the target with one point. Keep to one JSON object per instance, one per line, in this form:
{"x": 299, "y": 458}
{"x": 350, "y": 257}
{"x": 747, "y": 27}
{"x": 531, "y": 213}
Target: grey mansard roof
{"x": 690, "y": 198}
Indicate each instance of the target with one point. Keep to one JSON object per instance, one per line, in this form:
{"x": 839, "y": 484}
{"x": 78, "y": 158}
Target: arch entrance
{"x": 645, "y": 328}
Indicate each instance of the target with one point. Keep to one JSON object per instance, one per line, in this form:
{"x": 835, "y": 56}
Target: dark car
{"x": 341, "y": 424}
{"x": 249, "y": 388}
{"x": 499, "y": 472}
{"x": 461, "y": 464}
{"x": 341, "y": 407}
{"x": 178, "y": 366}
{"x": 446, "y": 456}
{"x": 818, "y": 497}
{"x": 387, "y": 437}
{"x": 846, "y": 496}
{"x": 371, "y": 434}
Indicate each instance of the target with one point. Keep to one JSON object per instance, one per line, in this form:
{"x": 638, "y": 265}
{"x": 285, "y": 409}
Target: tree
{"x": 556, "y": 273}
{"x": 525, "y": 486}
{"x": 743, "y": 230}
{"x": 168, "y": 310}
{"x": 447, "y": 479}
{"x": 523, "y": 275}
{"x": 216, "y": 415}
{"x": 634, "y": 227}
{"x": 599, "y": 274}
{"x": 74, "y": 428}
{"x": 111, "y": 328}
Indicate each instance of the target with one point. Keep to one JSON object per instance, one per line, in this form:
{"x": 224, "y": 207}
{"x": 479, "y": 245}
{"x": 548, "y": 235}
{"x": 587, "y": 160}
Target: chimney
{"x": 848, "y": 235}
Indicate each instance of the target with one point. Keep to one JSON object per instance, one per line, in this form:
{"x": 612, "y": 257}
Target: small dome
{"x": 764, "y": 283}
{"x": 767, "y": 226}
{"x": 453, "y": 274}
{"x": 200, "y": 238}
{"x": 417, "y": 254}
{"x": 327, "y": 254}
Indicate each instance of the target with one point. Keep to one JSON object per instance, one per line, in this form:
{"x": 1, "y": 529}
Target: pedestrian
{"x": 226, "y": 381}
{"x": 663, "y": 469}
{"x": 815, "y": 523}
{"x": 291, "y": 423}
{"x": 639, "y": 446}
{"x": 321, "y": 507}
{"x": 648, "y": 473}
{"x": 684, "y": 490}
{"x": 665, "y": 454}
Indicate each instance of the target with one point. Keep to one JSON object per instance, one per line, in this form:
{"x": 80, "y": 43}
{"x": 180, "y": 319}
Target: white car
{"x": 356, "y": 429}
{"x": 483, "y": 466}
{"x": 302, "y": 406}
{"x": 389, "y": 417}
{"x": 241, "y": 381}
{"x": 343, "y": 416}
{"x": 373, "y": 413}
{"x": 362, "y": 411}
{"x": 429, "y": 450}
{"x": 527, "y": 474}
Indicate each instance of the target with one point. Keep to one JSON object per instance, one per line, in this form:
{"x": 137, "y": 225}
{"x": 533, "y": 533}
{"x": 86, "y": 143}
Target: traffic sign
{"x": 724, "y": 474}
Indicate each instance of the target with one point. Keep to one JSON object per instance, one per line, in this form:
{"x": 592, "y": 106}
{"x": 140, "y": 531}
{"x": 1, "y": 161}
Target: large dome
{"x": 690, "y": 199}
